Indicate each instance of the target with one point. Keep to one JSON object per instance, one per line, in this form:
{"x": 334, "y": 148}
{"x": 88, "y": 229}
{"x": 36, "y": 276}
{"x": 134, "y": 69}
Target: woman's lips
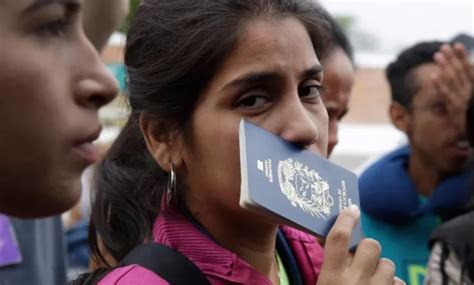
{"x": 88, "y": 151}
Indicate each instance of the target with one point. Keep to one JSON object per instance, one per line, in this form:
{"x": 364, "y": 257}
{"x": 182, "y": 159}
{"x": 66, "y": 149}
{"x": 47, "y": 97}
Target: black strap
{"x": 166, "y": 263}
{"x": 288, "y": 259}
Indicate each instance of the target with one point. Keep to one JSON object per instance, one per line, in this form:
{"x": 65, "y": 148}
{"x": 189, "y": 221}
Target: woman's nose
{"x": 96, "y": 90}
{"x": 298, "y": 125}
{"x": 96, "y": 86}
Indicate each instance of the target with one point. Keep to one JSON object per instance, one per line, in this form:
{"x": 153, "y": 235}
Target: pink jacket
{"x": 218, "y": 264}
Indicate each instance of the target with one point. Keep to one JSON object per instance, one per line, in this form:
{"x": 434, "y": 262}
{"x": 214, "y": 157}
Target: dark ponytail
{"x": 127, "y": 175}
{"x": 120, "y": 216}
{"x": 173, "y": 49}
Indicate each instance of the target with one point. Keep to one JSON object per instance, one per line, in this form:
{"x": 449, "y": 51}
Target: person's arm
{"x": 101, "y": 18}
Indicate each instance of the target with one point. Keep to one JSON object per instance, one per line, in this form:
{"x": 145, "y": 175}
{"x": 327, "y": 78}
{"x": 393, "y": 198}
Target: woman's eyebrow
{"x": 268, "y": 76}
{"x": 254, "y": 78}
{"x": 39, "y": 4}
{"x": 313, "y": 71}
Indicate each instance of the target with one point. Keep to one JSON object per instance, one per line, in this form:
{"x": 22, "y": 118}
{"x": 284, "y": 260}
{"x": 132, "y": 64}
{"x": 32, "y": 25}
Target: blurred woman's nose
{"x": 96, "y": 86}
{"x": 298, "y": 125}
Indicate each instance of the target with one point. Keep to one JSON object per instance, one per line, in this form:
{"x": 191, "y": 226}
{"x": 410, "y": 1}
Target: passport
{"x": 291, "y": 185}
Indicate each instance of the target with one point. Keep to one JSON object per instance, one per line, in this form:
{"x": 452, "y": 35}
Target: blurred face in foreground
{"x": 52, "y": 83}
{"x": 338, "y": 82}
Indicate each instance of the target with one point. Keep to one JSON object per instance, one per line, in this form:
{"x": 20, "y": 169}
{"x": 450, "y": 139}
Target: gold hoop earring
{"x": 171, "y": 188}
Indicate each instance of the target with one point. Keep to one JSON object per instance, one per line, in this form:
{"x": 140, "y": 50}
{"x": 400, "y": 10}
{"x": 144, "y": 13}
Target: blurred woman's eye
{"x": 252, "y": 101}
{"x": 56, "y": 28}
{"x": 311, "y": 90}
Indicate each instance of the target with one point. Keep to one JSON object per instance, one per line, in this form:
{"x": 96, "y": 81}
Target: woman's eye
{"x": 310, "y": 91}
{"x": 253, "y": 101}
{"x": 57, "y": 28}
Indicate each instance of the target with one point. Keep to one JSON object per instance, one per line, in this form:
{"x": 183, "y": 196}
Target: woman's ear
{"x": 400, "y": 117}
{"x": 164, "y": 147}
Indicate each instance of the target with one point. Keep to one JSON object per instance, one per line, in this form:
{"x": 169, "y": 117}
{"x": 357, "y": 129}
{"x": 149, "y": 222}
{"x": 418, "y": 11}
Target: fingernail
{"x": 354, "y": 209}
{"x": 399, "y": 281}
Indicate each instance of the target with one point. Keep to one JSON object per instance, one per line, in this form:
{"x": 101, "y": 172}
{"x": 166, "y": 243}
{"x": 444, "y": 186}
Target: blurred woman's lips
{"x": 86, "y": 149}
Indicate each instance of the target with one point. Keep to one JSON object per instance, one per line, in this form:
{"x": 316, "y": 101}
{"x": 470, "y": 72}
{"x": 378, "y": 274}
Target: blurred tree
{"x": 133, "y": 8}
{"x": 360, "y": 39}
{"x": 346, "y": 22}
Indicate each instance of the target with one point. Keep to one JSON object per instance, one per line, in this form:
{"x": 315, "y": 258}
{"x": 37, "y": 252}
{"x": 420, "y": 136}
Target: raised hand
{"x": 455, "y": 81}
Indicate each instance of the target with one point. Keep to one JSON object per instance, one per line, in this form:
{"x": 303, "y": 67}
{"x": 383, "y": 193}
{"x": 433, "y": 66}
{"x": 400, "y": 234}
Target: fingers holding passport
{"x": 337, "y": 242}
{"x": 364, "y": 266}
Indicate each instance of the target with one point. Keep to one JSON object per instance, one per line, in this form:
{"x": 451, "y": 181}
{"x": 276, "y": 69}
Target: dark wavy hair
{"x": 403, "y": 83}
{"x": 173, "y": 49}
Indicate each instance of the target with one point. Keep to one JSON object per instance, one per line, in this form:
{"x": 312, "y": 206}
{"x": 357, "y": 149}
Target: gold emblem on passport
{"x": 304, "y": 188}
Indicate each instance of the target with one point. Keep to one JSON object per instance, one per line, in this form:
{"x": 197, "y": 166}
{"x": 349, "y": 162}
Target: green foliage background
{"x": 133, "y": 8}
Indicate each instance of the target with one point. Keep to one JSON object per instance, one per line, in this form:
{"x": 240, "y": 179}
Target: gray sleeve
{"x": 452, "y": 267}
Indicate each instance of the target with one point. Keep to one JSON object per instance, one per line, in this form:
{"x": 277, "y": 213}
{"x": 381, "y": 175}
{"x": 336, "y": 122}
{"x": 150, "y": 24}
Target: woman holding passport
{"x": 195, "y": 69}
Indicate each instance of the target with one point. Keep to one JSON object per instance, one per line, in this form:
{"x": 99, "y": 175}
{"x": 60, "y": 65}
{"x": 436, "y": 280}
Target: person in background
{"x": 452, "y": 244}
{"x": 406, "y": 194}
{"x": 339, "y": 73}
{"x": 53, "y": 84}
{"x": 195, "y": 69}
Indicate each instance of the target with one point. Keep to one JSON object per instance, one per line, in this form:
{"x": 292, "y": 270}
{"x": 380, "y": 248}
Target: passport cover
{"x": 293, "y": 185}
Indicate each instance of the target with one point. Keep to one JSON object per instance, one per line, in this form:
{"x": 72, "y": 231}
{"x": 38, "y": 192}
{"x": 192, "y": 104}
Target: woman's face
{"x": 338, "y": 81}
{"x": 52, "y": 84}
{"x": 271, "y": 78}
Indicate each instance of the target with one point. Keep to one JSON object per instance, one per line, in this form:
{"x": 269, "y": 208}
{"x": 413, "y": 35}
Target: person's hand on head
{"x": 364, "y": 267}
{"x": 454, "y": 82}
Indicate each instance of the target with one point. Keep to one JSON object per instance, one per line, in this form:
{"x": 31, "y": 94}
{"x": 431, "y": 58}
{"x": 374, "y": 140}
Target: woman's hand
{"x": 364, "y": 267}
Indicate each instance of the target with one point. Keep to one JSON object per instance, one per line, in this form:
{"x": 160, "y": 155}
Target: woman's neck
{"x": 242, "y": 233}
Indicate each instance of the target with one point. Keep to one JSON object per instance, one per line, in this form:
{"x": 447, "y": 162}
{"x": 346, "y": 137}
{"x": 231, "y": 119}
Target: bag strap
{"x": 167, "y": 263}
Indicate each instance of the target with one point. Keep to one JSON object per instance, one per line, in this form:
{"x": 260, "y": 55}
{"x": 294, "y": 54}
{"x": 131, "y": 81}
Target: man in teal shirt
{"x": 406, "y": 194}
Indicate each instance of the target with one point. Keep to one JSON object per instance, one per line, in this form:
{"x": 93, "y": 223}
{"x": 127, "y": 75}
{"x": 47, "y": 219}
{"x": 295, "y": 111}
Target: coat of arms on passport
{"x": 293, "y": 185}
{"x": 304, "y": 188}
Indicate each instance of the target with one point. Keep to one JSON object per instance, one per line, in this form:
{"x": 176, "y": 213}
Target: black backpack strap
{"x": 166, "y": 263}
